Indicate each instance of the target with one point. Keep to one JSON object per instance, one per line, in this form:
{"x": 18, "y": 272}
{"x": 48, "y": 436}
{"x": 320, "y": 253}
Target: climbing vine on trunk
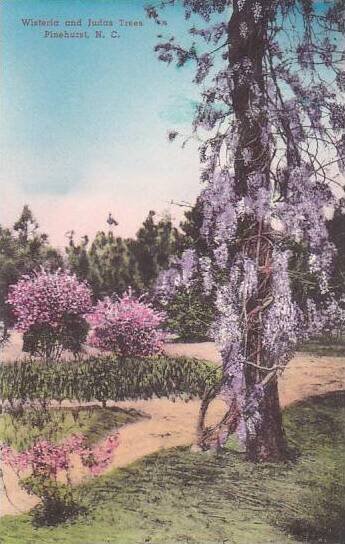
{"x": 271, "y": 121}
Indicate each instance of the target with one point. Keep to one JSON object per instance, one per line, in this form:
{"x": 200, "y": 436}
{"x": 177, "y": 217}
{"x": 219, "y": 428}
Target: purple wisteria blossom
{"x": 272, "y": 106}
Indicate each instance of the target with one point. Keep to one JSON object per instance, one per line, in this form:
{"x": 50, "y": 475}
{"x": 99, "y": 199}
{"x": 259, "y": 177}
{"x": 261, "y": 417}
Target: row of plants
{"x": 22, "y": 425}
{"x": 107, "y": 378}
{"x": 28, "y": 384}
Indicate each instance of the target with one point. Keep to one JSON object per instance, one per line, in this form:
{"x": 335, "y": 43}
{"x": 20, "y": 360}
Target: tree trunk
{"x": 269, "y": 442}
{"x": 247, "y": 38}
{"x": 214, "y": 437}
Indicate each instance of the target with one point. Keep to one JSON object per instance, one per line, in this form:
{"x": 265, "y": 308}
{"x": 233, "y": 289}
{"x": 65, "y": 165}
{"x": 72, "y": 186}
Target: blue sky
{"x": 84, "y": 121}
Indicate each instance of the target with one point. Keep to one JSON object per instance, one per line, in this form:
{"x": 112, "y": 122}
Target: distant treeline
{"x": 111, "y": 264}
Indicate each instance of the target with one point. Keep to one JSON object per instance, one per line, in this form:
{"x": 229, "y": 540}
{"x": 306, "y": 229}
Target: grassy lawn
{"x": 21, "y": 430}
{"x": 181, "y": 497}
{"x": 325, "y": 346}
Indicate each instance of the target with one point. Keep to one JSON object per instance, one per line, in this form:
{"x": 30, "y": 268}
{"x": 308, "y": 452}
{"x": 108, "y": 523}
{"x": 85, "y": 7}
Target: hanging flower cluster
{"x": 181, "y": 273}
{"x": 127, "y": 326}
{"x": 267, "y": 163}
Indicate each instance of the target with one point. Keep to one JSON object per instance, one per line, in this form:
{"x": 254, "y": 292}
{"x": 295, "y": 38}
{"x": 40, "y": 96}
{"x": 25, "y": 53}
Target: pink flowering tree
{"x": 271, "y": 121}
{"x": 126, "y": 326}
{"x": 50, "y": 309}
{"x": 40, "y": 466}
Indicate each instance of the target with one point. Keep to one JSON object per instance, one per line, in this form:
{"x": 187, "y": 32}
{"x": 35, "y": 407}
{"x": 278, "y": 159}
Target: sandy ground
{"x": 172, "y": 424}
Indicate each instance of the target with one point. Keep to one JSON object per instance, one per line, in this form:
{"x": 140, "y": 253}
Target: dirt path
{"x": 173, "y": 423}
{"x": 304, "y": 376}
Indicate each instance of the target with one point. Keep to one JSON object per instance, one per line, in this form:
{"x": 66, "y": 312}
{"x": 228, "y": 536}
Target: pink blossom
{"x": 47, "y": 459}
{"x": 47, "y": 297}
{"x": 128, "y": 326}
{"x": 98, "y": 459}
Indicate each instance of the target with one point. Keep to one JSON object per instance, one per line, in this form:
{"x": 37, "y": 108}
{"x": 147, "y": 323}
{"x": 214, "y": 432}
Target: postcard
{"x": 172, "y": 272}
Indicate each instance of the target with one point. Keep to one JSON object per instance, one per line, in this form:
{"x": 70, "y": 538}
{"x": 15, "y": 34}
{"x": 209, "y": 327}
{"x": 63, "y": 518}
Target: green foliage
{"x": 58, "y": 503}
{"x": 155, "y": 243}
{"x": 304, "y": 283}
{"x": 111, "y": 264}
{"x": 190, "y": 314}
{"x": 107, "y": 378}
{"x": 191, "y": 237}
{"x": 20, "y": 429}
{"x": 42, "y": 340}
{"x": 77, "y": 256}
{"x": 336, "y": 232}
{"x": 105, "y": 264}
{"x": 176, "y": 496}
{"x": 22, "y": 250}
{"x": 324, "y": 345}
{"x": 74, "y": 334}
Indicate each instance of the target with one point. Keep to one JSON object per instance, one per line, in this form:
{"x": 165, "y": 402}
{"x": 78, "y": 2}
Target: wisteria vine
{"x": 272, "y": 125}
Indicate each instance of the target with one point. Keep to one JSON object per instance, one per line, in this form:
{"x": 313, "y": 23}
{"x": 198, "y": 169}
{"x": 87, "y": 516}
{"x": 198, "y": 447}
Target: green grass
{"x": 21, "y": 430}
{"x": 177, "y": 496}
{"x": 324, "y": 346}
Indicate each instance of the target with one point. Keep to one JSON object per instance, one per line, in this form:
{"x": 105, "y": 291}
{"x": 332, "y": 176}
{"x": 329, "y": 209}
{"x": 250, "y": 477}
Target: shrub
{"x": 45, "y": 460}
{"x": 58, "y": 503}
{"x": 127, "y": 326}
{"x": 107, "y": 378}
{"x": 49, "y": 308}
{"x": 190, "y": 314}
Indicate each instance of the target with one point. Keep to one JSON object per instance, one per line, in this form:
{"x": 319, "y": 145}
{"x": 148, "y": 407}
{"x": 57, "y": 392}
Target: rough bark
{"x": 213, "y": 437}
{"x": 269, "y": 442}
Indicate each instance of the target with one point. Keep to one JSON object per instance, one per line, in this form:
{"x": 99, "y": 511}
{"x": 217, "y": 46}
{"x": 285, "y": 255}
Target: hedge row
{"x": 107, "y": 378}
